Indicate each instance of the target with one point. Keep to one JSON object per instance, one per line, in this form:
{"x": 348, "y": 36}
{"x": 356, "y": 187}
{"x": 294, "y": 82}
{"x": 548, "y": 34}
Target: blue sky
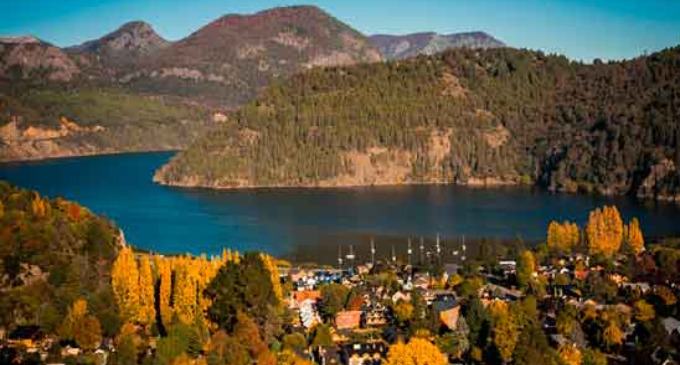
{"x": 580, "y": 29}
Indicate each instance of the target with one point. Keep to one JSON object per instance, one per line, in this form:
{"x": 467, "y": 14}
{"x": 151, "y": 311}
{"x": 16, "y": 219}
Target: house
{"x": 371, "y": 353}
{"x": 500, "y": 292}
{"x": 301, "y": 296}
{"x": 348, "y": 319}
{"x": 672, "y": 327}
{"x": 327, "y": 355}
{"x": 298, "y": 274}
{"x": 401, "y": 296}
{"x": 450, "y": 270}
{"x": 450, "y": 317}
{"x": 376, "y": 316}
{"x": 308, "y": 314}
{"x": 639, "y": 287}
{"x": 28, "y": 336}
{"x": 421, "y": 281}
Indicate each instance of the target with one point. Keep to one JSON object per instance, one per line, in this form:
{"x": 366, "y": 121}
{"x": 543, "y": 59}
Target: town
{"x": 588, "y": 295}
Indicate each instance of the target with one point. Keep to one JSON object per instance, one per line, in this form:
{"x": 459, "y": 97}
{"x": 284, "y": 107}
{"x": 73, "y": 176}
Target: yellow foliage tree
{"x": 505, "y": 328}
{"x": 270, "y": 265}
{"x": 644, "y": 312}
{"x": 612, "y": 334}
{"x": 563, "y": 237}
{"x": 634, "y": 239}
{"x": 147, "y": 308}
{"x": 605, "y": 231}
{"x": 417, "y": 352}
{"x": 570, "y": 355}
{"x": 184, "y": 291}
{"x": 164, "y": 268}
{"x": 38, "y": 206}
{"x": 125, "y": 283}
{"x": 75, "y": 313}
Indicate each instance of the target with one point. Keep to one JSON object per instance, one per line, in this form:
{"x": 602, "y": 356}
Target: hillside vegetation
{"x": 53, "y": 251}
{"x": 55, "y": 122}
{"x": 497, "y": 116}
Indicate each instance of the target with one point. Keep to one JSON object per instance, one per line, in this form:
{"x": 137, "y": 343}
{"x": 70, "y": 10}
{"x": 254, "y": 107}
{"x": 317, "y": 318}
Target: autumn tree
{"x": 634, "y": 240}
{"x": 563, "y": 237}
{"x": 125, "y": 283}
{"x": 417, "y": 352}
{"x": 570, "y": 354}
{"x": 644, "y": 312}
{"x": 87, "y": 332}
{"x": 605, "y": 231}
{"x": 147, "y": 309}
{"x": 76, "y": 312}
{"x": 403, "y": 312}
{"x": 270, "y": 265}
{"x": 164, "y": 268}
{"x": 184, "y": 291}
{"x": 526, "y": 266}
{"x": 505, "y": 328}
{"x": 612, "y": 334}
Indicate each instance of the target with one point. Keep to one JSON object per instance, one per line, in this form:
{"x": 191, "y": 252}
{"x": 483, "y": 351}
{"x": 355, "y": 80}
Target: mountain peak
{"x": 134, "y": 38}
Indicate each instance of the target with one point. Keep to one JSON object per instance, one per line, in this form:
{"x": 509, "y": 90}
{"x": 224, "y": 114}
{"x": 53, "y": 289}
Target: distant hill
{"x": 132, "y": 90}
{"x": 125, "y": 46}
{"x": 476, "y": 117}
{"x": 404, "y": 46}
{"x": 229, "y": 60}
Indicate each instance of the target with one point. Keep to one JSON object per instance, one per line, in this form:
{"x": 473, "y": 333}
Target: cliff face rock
{"x": 660, "y": 182}
{"x": 26, "y": 57}
{"x": 398, "y": 47}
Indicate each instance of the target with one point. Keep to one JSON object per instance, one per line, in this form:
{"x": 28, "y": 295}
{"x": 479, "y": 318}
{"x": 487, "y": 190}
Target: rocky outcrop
{"x": 661, "y": 183}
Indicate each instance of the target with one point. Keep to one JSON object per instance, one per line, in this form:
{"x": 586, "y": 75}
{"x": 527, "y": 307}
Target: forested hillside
{"x": 143, "y": 93}
{"x": 496, "y": 116}
{"x": 53, "y": 251}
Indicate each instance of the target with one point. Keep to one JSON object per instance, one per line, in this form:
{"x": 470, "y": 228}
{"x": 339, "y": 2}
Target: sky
{"x": 579, "y": 29}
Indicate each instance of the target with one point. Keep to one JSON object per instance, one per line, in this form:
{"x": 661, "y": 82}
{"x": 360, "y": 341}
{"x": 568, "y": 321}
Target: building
{"x": 348, "y": 320}
{"x": 371, "y": 353}
{"x": 28, "y": 336}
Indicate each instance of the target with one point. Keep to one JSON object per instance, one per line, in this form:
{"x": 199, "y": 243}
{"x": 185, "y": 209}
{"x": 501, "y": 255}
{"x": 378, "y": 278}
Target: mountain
{"x": 30, "y": 57}
{"x": 230, "y": 60}
{"x": 466, "y": 116}
{"x": 131, "y": 90}
{"x": 126, "y": 45}
{"x": 410, "y": 45}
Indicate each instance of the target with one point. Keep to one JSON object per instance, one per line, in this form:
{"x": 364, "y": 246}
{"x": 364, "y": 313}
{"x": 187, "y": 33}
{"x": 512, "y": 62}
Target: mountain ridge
{"x": 428, "y": 43}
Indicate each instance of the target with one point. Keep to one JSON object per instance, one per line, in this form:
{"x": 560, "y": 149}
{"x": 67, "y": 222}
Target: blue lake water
{"x": 173, "y": 220}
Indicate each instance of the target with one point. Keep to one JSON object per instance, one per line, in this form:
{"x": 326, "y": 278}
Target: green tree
{"x": 241, "y": 287}
{"x": 333, "y": 298}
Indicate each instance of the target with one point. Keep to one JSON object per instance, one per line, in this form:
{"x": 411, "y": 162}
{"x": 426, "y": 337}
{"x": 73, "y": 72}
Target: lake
{"x": 296, "y": 222}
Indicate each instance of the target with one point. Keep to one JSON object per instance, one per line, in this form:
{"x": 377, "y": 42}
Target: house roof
{"x": 450, "y": 317}
{"x": 26, "y": 333}
{"x": 348, "y": 319}
{"x": 671, "y": 324}
{"x": 301, "y": 296}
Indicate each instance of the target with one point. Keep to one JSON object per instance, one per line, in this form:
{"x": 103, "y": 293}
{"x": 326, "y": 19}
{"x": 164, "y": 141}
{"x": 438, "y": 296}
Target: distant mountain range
{"x": 110, "y": 89}
{"x": 404, "y": 46}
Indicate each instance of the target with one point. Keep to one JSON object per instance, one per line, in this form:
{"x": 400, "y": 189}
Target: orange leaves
{"x": 563, "y": 237}
{"x": 417, "y": 352}
{"x": 634, "y": 239}
{"x": 605, "y": 231}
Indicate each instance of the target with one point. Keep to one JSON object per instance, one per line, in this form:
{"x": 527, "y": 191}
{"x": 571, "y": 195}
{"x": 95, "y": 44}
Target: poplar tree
{"x": 125, "y": 283}
{"x": 164, "y": 267}
{"x": 147, "y": 309}
{"x": 605, "y": 231}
